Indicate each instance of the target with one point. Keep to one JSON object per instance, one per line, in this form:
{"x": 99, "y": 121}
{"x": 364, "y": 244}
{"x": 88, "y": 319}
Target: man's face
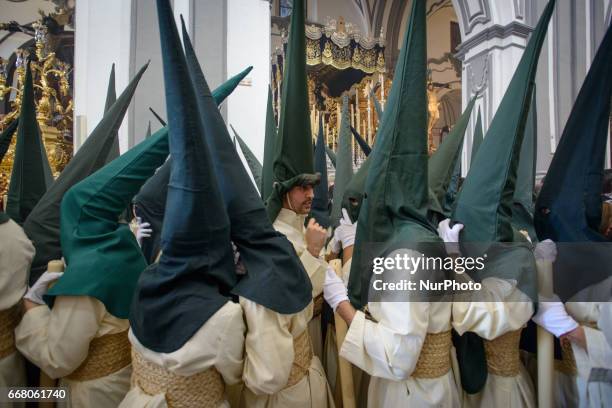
{"x": 299, "y": 199}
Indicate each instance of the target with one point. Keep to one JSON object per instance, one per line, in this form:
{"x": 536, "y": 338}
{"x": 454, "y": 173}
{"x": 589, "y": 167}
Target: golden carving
{"x": 53, "y": 103}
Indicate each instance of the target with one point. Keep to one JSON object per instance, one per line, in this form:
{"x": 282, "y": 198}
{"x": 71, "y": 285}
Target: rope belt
{"x": 302, "y": 356}
{"x": 205, "y": 389}
{"x": 9, "y": 319}
{"x": 502, "y": 354}
{"x": 107, "y": 354}
{"x": 434, "y": 360}
{"x": 317, "y": 306}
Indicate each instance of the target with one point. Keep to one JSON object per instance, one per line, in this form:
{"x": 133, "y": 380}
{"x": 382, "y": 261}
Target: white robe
{"x": 388, "y": 350}
{"x": 587, "y": 387}
{"x": 269, "y": 356}
{"x": 291, "y": 225}
{"x": 57, "y": 341}
{"x": 219, "y": 343}
{"x": 16, "y": 254}
{"x": 500, "y": 308}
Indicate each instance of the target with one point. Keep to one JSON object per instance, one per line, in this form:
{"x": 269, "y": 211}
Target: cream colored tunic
{"x": 16, "y": 254}
{"x": 269, "y": 357}
{"x": 388, "y": 350}
{"x": 291, "y": 225}
{"x": 219, "y": 343}
{"x": 57, "y": 341}
{"x": 588, "y": 386}
{"x": 501, "y": 308}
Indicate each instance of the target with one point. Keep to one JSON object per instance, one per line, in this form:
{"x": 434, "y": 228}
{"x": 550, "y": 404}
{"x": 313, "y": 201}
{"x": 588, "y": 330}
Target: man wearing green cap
{"x": 404, "y": 345}
{"x": 489, "y": 321}
{"x": 80, "y": 334}
{"x": 16, "y": 254}
{"x": 294, "y": 177}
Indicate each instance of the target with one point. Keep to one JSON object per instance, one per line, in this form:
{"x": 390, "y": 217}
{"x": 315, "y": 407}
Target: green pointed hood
{"x": 395, "y": 207}
{"x": 477, "y": 138}
{"x": 377, "y": 106}
{"x": 444, "y": 161}
{"x": 267, "y": 175}
{"x": 353, "y": 194}
{"x": 275, "y": 277}
{"x": 151, "y": 199}
{"x": 320, "y": 203}
{"x": 365, "y": 147}
{"x": 5, "y": 141}
{"x": 522, "y": 211}
{"x": 176, "y": 296}
{"x": 484, "y": 205}
{"x": 43, "y": 224}
{"x": 111, "y": 93}
{"x": 568, "y": 208}
{"x": 225, "y": 89}
{"x": 254, "y": 164}
{"x": 331, "y": 154}
{"x": 293, "y": 157}
{"x": 31, "y": 175}
{"x": 6, "y": 137}
{"x": 111, "y": 97}
{"x": 103, "y": 258}
{"x": 159, "y": 118}
{"x": 344, "y": 163}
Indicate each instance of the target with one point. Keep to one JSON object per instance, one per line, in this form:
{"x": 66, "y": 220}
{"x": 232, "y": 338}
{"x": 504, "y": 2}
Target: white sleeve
{"x": 501, "y": 308}
{"x": 390, "y": 347}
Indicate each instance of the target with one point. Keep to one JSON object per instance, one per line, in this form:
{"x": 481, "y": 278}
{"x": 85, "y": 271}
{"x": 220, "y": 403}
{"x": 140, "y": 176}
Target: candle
{"x": 358, "y": 109}
{"x": 369, "y": 135}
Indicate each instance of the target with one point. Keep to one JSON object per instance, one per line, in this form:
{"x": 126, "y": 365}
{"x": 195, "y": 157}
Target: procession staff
{"x": 294, "y": 178}
{"x": 274, "y": 291}
{"x": 80, "y": 335}
{"x": 187, "y": 334}
{"x": 405, "y": 346}
{"x": 569, "y": 209}
{"x": 490, "y": 320}
{"x": 16, "y": 254}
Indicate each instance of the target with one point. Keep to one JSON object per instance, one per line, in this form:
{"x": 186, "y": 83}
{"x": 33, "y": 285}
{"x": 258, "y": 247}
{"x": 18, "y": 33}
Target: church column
{"x": 248, "y": 43}
{"x": 493, "y": 39}
{"x": 103, "y": 37}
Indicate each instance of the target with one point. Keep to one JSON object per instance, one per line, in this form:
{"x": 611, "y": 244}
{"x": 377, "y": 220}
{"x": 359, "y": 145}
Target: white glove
{"x": 344, "y": 234}
{"x": 553, "y": 317}
{"x": 449, "y": 235}
{"x": 40, "y": 287}
{"x": 546, "y": 251}
{"x": 334, "y": 290}
{"x": 144, "y": 230}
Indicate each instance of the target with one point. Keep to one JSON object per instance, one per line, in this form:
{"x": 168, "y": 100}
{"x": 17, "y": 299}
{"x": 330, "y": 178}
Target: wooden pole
{"x": 344, "y": 367}
{"x": 545, "y": 342}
